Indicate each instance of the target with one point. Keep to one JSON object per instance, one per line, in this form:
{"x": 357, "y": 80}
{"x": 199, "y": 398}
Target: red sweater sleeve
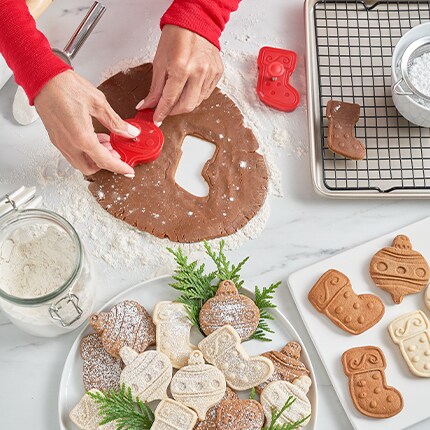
{"x": 204, "y": 17}
{"x": 25, "y": 49}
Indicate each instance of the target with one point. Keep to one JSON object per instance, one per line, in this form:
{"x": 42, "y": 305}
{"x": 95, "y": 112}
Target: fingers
{"x": 155, "y": 92}
{"x": 190, "y": 97}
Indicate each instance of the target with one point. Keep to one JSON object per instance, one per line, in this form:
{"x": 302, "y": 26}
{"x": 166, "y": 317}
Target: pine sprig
{"x": 121, "y": 408}
{"x": 273, "y": 425}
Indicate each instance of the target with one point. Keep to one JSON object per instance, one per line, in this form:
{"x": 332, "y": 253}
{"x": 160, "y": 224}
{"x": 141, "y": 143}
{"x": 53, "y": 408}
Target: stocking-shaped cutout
{"x": 171, "y": 415}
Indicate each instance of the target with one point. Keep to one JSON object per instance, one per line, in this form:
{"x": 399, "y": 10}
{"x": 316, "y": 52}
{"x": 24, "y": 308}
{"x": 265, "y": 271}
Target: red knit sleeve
{"x": 25, "y": 49}
{"x": 204, "y": 17}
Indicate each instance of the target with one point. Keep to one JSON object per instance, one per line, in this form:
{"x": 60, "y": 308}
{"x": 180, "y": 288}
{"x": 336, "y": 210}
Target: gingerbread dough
{"x": 152, "y": 201}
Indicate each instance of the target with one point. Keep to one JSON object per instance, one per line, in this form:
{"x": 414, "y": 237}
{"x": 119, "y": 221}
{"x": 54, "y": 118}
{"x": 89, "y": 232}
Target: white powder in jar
{"x": 419, "y": 75}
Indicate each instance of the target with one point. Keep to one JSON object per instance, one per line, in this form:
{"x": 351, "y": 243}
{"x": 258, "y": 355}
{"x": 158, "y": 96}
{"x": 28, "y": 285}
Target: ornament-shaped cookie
{"x": 277, "y": 393}
{"x": 100, "y": 370}
{"x": 222, "y": 348}
{"x": 126, "y": 324}
{"x": 412, "y": 333}
{"x": 240, "y": 415}
{"x": 287, "y": 364}
{"x": 229, "y": 307}
{"x": 147, "y": 374}
{"x": 400, "y": 270}
{"x": 171, "y": 415}
{"x": 365, "y": 368}
{"x": 198, "y": 385}
{"x": 334, "y": 297}
{"x": 173, "y": 332}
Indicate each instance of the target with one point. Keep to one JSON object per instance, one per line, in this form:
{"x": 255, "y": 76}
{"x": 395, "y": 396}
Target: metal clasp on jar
{"x": 59, "y": 311}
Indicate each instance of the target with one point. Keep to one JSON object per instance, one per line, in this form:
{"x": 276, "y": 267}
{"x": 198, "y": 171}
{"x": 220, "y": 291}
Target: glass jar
{"x": 62, "y": 309}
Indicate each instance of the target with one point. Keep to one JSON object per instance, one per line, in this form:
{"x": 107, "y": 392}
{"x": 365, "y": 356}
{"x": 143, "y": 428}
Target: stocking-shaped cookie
{"x": 333, "y": 296}
{"x": 147, "y": 374}
{"x": 365, "y": 368}
{"x": 277, "y": 393}
{"x": 342, "y": 118}
{"x": 222, "y": 348}
{"x": 240, "y": 415}
{"x": 173, "y": 332}
{"x": 171, "y": 415}
{"x": 412, "y": 333}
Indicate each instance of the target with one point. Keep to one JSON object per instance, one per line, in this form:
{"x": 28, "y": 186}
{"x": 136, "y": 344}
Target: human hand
{"x": 65, "y": 105}
{"x": 187, "y": 69}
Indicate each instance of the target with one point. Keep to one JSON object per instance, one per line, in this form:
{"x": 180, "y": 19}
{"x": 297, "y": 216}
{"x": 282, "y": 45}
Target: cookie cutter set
{"x": 350, "y": 46}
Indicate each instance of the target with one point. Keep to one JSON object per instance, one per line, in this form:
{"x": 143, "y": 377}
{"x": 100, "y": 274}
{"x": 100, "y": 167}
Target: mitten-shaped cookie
{"x": 240, "y": 415}
{"x": 411, "y": 332}
{"x": 400, "y": 270}
{"x": 171, "y": 415}
{"x": 126, "y": 324}
{"x": 365, "y": 368}
{"x": 222, "y": 348}
{"x": 277, "y": 393}
{"x": 333, "y": 296}
{"x": 287, "y": 364}
{"x": 147, "y": 374}
{"x": 173, "y": 332}
{"x": 198, "y": 385}
{"x": 229, "y": 307}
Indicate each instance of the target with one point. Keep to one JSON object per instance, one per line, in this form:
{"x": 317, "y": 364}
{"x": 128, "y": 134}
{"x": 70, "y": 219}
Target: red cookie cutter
{"x": 273, "y": 87}
{"x": 144, "y": 148}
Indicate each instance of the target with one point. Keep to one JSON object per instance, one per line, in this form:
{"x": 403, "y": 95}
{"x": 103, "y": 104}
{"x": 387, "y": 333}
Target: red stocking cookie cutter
{"x": 273, "y": 87}
{"x": 144, "y": 148}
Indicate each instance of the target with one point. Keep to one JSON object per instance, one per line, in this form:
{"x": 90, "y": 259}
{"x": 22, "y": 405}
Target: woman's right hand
{"x": 66, "y": 105}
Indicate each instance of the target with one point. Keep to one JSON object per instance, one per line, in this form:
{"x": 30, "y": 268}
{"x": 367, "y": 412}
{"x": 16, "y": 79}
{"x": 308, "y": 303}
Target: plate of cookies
{"x": 196, "y": 351}
{"x": 367, "y": 312}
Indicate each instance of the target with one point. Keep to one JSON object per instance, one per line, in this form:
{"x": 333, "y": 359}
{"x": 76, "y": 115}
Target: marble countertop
{"x": 303, "y": 227}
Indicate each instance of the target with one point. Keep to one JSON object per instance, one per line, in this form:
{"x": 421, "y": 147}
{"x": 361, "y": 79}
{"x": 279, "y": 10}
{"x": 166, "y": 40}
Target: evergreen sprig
{"x": 273, "y": 425}
{"x": 120, "y": 407}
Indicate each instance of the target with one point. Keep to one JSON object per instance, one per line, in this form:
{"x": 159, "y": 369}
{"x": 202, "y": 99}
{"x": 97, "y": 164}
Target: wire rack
{"x": 354, "y": 45}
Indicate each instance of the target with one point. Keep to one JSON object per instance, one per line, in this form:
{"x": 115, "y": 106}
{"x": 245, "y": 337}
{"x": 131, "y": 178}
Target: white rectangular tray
{"x": 330, "y": 341}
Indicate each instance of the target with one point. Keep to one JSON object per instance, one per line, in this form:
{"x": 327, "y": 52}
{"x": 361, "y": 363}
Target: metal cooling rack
{"x": 350, "y": 44}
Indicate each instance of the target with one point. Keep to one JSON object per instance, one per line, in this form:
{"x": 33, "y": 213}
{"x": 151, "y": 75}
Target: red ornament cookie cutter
{"x": 275, "y": 67}
{"x": 144, "y": 148}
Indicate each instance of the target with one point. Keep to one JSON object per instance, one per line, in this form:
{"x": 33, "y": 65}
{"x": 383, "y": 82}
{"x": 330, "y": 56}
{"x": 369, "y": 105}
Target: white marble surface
{"x": 302, "y": 228}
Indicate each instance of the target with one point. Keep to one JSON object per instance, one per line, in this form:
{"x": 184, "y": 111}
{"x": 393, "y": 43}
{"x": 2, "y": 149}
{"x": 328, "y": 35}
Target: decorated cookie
{"x": 229, "y": 307}
{"x": 412, "y": 333}
{"x": 171, "y": 415}
{"x": 127, "y": 324}
{"x": 287, "y": 364}
{"x": 198, "y": 385}
{"x": 400, "y": 270}
{"x": 277, "y": 393}
{"x": 240, "y": 415}
{"x": 100, "y": 370}
{"x": 147, "y": 374}
{"x": 333, "y": 296}
{"x": 427, "y": 297}
{"x": 365, "y": 368}
{"x": 222, "y": 348}
{"x": 173, "y": 332}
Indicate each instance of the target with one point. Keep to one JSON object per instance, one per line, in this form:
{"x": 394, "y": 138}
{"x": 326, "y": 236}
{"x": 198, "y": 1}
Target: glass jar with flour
{"x": 45, "y": 278}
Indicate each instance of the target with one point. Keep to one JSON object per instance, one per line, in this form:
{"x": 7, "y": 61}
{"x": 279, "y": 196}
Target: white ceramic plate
{"x": 149, "y": 293}
{"x": 330, "y": 341}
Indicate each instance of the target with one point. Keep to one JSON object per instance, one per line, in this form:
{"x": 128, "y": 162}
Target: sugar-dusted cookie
{"x": 100, "y": 370}
{"x": 171, "y": 415}
{"x": 333, "y": 296}
{"x": 222, "y": 348}
{"x": 198, "y": 385}
{"x": 240, "y": 415}
{"x": 365, "y": 368}
{"x": 229, "y": 307}
{"x": 173, "y": 332}
{"x": 287, "y": 364}
{"x": 147, "y": 374}
{"x": 277, "y": 393}
{"x": 126, "y": 324}
{"x": 400, "y": 270}
{"x": 412, "y": 333}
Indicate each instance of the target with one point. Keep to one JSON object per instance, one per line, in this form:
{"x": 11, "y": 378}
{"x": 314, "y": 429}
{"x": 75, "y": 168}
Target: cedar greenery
{"x": 277, "y": 414}
{"x": 197, "y": 287}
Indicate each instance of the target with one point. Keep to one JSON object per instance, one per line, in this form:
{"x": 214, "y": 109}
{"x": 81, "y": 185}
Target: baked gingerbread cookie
{"x": 172, "y": 415}
{"x": 427, "y": 297}
{"x": 400, "y": 270}
{"x": 333, "y": 296}
{"x": 126, "y": 324}
{"x": 240, "y": 415}
{"x": 365, "y": 368}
